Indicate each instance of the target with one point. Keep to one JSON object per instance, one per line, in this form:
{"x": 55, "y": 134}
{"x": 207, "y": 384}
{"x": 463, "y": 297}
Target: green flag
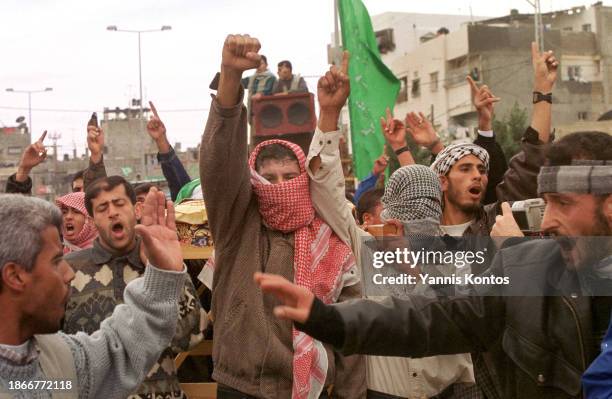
{"x": 373, "y": 85}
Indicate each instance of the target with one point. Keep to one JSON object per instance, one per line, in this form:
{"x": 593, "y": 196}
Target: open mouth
{"x": 475, "y": 190}
{"x": 118, "y": 230}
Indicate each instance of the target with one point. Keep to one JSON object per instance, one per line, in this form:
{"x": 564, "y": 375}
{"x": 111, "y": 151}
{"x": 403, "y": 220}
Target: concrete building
{"x": 13, "y": 140}
{"x": 496, "y": 52}
{"x": 131, "y": 153}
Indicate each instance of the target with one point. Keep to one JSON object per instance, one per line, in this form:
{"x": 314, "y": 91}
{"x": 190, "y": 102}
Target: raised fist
{"x": 240, "y": 53}
{"x": 334, "y": 87}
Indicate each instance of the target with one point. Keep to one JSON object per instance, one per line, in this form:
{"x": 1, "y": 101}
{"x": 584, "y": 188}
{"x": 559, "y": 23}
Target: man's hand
{"x": 394, "y": 131}
{"x": 157, "y": 131}
{"x": 381, "y": 163}
{"x": 483, "y": 101}
{"x": 545, "y": 67}
{"x": 33, "y": 155}
{"x": 332, "y": 91}
{"x": 240, "y": 53}
{"x": 423, "y": 132}
{"x": 297, "y": 300}
{"x": 158, "y": 232}
{"x": 95, "y": 143}
{"x": 505, "y": 225}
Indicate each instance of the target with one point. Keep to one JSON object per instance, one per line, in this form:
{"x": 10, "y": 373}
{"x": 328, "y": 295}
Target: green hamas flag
{"x": 373, "y": 85}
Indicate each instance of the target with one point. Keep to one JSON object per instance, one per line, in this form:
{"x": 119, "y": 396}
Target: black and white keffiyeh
{"x": 581, "y": 177}
{"x": 413, "y": 192}
{"x": 453, "y": 153}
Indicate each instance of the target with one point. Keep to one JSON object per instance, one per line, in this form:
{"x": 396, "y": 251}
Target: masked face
{"x": 73, "y": 222}
{"x": 115, "y": 219}
{"x": 278, "y": 171}
{"x": 465, "y": 185}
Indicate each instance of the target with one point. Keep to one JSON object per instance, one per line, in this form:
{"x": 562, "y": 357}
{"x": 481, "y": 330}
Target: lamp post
{"x": 29, "y": 93}
{"x": 114, "y": 28}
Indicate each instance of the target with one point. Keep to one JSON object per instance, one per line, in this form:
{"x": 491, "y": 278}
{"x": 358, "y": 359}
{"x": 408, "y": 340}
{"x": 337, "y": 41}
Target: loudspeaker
{"x": 284, "y": 114}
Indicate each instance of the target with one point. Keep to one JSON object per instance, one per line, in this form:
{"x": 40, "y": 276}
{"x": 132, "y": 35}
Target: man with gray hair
{"x": 37, "y": 361}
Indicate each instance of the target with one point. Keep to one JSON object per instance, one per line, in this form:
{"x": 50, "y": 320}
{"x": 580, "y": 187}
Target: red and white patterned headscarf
{"x": 320, "y": 259}
{"x": 87, "y": 235}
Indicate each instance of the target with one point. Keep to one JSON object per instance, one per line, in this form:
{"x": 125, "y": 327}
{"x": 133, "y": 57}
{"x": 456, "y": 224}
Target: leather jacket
{"x": 531, "y": 346}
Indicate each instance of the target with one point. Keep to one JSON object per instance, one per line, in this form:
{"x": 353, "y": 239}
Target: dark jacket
{"x": 536, "y": 346}
{"x": 497, "y": 165}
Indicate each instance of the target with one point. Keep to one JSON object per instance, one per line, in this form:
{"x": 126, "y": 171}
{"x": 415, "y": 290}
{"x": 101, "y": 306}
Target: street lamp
{"x": 29, "y": 93}
{"x": 114, "y": 28}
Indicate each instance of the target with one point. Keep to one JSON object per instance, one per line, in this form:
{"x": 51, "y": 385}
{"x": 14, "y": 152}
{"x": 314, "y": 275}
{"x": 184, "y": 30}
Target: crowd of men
{"x": 97, "y": 300}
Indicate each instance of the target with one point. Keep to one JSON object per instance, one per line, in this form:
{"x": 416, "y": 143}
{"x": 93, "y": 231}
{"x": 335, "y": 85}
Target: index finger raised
{"x": 42, "y": 137}
{"x": 153, "y": 109}
{"x": 345, "y": 62}
{"x": 472, "y": 85}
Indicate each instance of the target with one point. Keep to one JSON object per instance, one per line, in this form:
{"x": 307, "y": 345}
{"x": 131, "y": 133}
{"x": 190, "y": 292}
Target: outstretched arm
{"x": 171, "y": 165}
{"x": 224, "y": 172}
{"x": 33, "y": 155}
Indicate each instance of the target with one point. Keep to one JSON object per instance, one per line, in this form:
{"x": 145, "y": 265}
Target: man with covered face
{"x": 103, "y": 271}
{"x": 542, "y": 337}
{"x": 262, "y": 219}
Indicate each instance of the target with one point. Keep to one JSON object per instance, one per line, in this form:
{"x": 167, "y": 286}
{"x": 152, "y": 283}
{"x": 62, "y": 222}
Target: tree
{"x": 510, "y": 129}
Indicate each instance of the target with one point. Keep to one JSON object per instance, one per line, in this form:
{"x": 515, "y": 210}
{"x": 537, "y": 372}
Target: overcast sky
{"x": 64, "y": 44}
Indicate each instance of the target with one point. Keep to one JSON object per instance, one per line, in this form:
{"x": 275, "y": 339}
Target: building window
{"x": 586, "y": 27}
{"x": 574, "y": 72}
{"x": 14, "y": 151}
{"x": 568, "y": 29}
{"x": 582, "y": 116}
{"x": 384, "y": 40}
{"x": 402, "y": 96}
{"x": 433, "y": 81}
{"x": 416, "y": 87}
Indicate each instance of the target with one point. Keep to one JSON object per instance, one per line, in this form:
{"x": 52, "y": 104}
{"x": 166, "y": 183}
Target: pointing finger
{"x": 345, "y": 62}
{"x": 42, "y": 137}
{"x": 472, "y": 85}
{"x": 153, "y": 109}
{"x": 506, "y": 209}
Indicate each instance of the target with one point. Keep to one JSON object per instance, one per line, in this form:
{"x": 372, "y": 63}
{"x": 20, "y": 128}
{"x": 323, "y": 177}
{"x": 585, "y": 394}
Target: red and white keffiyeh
{"x": 88, "y": 233}
{"x": 320, "y": 259}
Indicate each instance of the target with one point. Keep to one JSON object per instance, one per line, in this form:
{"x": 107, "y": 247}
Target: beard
{"x": 453, "y": 194}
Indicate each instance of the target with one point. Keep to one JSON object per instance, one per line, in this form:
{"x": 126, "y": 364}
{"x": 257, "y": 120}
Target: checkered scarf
{"x": 413, "y": 192}
{"x": 453, "y": 153}
{"x": 582, "y": 177}
{"x": 320, "y": 259}
{"x": 88, "y": 233}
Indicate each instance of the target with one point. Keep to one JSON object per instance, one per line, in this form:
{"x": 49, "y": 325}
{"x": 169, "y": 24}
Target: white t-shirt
{"x": 456, "y": 230}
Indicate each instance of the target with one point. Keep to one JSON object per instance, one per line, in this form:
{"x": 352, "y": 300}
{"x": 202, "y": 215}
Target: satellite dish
{"x": 20, "y": 119}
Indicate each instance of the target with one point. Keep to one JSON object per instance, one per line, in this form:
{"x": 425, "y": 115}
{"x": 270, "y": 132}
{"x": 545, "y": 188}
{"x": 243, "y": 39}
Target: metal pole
{"x": 140, "y": 73}
{"x": 337, "y": 57}
{"x": 30, "y": 112}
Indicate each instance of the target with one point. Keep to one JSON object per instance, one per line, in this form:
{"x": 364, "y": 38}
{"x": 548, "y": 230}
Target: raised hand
{"x": 505, "y": 225}
{"x": 381, "y": 163}
{"x": 297, "y": 300}
{"x": 483, "y": 101}
{"x": 95, "y": 143}
{"x": 421, "y": 130}
{"x": 158, "y": 232}
{"x": 33, "y": 155}
{"x": 545, "y": 67}
{"x": 394, "y": 131}
{"x": 240, "y": 53}
{"x": 334, "y": 87}
{"x": 157, "y": 131}
{"x": 155, "y": 127}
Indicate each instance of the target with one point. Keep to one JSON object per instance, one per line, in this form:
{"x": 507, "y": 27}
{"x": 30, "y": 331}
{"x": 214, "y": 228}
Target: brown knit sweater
{"x": 252, "y": 350}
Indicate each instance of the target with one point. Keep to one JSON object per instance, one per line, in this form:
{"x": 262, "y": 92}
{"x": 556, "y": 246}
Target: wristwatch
{"x": 537, "y": 97}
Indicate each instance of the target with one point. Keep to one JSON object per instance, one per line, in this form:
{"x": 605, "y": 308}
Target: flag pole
{"x": 338, "y": 62}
